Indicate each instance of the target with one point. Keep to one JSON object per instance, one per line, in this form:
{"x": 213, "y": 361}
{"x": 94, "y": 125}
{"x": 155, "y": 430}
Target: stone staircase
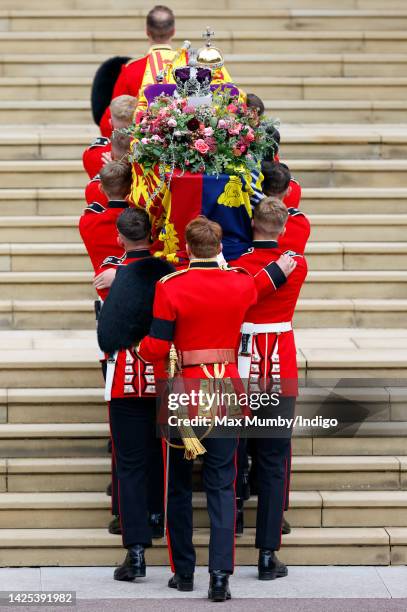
{"x": 337, "y": 79}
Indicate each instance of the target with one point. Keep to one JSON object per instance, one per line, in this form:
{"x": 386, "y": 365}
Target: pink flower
{"x": 208, "y": 131}
{"x": 201, "y": 146}
{"x": 232, "y": 108}
{"x": 249, "y": 137}
{"x": 156, "y": 138}
{"x": 235, "y": 129}
{"x": 243, "y": 148}
{"x": 171, "y": 122}
{"x": 188, "y": 110}
{"x": 222, "y": 124}
{"x": 145, "y": 141}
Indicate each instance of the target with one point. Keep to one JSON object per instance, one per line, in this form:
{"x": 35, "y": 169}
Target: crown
{"x": 193, "y": 80}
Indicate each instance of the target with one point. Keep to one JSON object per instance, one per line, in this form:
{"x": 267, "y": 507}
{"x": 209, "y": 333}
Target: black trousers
{"x": 273, "y": 462}
{"x": 132, "y": 423}
{"x": 219, "y": 473}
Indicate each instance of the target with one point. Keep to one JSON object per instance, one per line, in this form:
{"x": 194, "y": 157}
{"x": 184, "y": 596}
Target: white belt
{"x": 101, "y": 355}
{"x": 249, "y": 330}
{"x": 110, "y": 368}
{"x": 266, "y": 328}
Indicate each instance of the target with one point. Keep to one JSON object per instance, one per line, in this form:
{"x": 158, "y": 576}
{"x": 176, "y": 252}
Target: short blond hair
{"x": 116, "y": 179}
{"x": 270, "y": 216}
{"x": 122, "y": 108}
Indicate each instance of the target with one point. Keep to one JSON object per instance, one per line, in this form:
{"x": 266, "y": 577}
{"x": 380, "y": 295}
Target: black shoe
{"x": 239, "y": 518}
{"x": 286, "y": 527}
{"x": 269, "y": 566}
{"x": 182, "y": 582}
{"x": 219, "y": 586}
{"x": 157, "y": 525}
{"x": 134, "y": 565}
{"x": 109, "y": 490}
{"x": 114, "y": 526}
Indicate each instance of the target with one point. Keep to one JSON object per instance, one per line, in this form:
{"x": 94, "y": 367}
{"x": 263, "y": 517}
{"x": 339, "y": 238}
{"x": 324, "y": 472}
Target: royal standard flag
{"x": 224, "y": 199}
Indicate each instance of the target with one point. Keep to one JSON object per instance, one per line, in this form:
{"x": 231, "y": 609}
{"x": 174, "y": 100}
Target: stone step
{"x": 77, "y": 440}
{"x": 72, "y": 361}
{"x": 311, "y": 173}
{"x": 134, "y": 43}
{"x": 35, "y": 475}
{"x": 190, "y": 19}
{"x": 240, "y": 65}
{"x": 179, "y": 5}
{"x": 79, "y": 314}
{"x": 305, "y": 111}
{"x": 321, "y": 284}
{"x": 92, "y": 510}
{"x": 71, "y": 405}
{"x": 308, "y": 546}
{"x": 321, "y": 255}
{"x": 349, "y": 200}
{"x": 307, "y": 509}
{"x": 285, "y": 88}
{"x": 315, "y": 200}
{"x": 361, "y": 141}
{"x": 64, "y": 229}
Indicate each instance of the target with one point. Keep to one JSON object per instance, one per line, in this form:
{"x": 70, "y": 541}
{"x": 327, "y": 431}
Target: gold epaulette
{"x": 237, "y": 269}
{"x": 135, "y": 59}
{"x": 168, "y": 276}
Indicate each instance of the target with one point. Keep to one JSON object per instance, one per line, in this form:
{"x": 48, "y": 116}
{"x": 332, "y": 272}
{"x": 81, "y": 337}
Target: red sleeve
{"x": 92, "y": 158}
{"x": 269, "y": 279}
{"x": 94, "y": 194}
{"x": 293, "y": 198}
{"x": 157, "y": 344}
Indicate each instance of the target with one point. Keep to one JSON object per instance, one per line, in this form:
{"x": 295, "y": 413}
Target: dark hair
{"x": 160, "y": 23}
{"x": 277, "y": 178}
{"x": 203, "y": 237}
{"x": 134, "y": 224}
{"x": 116, "y": 179}
{"x": 254, "y": 101}
{"x": 273, "y": 135}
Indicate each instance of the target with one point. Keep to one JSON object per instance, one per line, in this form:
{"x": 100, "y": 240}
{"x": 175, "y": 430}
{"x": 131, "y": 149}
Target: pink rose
{"x": 222, "y": 124}
{"x": 201, "y": 146}
{"x": 171, "y": 122}
{"x": 188, "y": 110}
{"x": 145, "y": 141}
{"x": 249, "y": 136}
{"x": 208, "y": 131}
{"x": 156, "y": 138}
{"x": 235, "y": 129}
{"x": 232, "y": 108}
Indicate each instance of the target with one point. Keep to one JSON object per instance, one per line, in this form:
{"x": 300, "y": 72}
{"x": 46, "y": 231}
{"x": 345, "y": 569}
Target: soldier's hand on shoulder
{"x": 287, "y": 264}
{"x": 105, "y": 279}
{"x": 106, "y": 157}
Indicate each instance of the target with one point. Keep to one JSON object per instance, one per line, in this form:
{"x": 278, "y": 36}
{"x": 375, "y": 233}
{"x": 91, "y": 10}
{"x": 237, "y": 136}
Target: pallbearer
{"x": 267, "y": 360}
{"x": 201, "y": 310}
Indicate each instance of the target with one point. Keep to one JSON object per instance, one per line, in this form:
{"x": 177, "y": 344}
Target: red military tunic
{"x": 92, "y": 156}
{"x": 297, "y": 232}
{"x": 93, "y": 193}
{"x": 97, "y": 227}
{"x": 293, "y": 197}
{"x": 201, "y": 308}
{"x": 271, "y": 362}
